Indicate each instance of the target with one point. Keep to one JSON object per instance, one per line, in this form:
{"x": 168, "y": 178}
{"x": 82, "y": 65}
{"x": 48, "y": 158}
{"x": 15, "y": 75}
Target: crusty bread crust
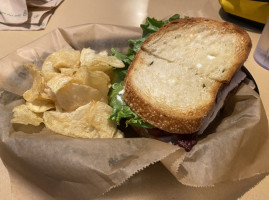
{"x": 171, "y": 119}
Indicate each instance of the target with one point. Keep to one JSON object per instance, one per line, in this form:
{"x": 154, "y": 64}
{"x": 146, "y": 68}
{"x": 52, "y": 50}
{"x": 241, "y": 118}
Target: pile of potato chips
{"x": 70, "y": 93}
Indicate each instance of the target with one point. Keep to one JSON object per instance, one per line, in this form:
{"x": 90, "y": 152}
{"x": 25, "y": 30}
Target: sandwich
{"x": 180, "y": 76}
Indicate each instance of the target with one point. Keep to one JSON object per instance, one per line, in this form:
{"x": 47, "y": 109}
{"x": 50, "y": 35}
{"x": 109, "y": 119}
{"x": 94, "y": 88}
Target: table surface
{"x": 146, "y": 184}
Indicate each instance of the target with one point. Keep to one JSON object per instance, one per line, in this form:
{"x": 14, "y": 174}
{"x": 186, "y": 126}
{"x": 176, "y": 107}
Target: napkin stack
{"x": 26, "y": 14}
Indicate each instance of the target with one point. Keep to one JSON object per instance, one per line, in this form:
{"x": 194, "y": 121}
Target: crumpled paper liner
{"x": 234, "y": 147}
{"x": 26, "y": 14}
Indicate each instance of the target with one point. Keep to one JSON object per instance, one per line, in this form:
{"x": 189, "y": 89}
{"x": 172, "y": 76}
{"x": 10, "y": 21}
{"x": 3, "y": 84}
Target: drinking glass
{"x": 261, "y": 53}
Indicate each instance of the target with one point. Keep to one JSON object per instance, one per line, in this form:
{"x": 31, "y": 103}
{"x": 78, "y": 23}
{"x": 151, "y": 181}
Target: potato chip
{"x": 99, "y": 120}
{"x": 75, "y": 95}
{"x": 48, "y": 66}
{"x": 103, "y": 53}
{"x": 100, "y": 62}
{"x": 103, "y": 68}
{"x": 40, "y": 105}
{"x": 47, "y": 94}
{"x": 64, "y": 58}
{"x": 48, "y": 75}
{"x": 58, "y": 108}
{"x": 58, "y": 82}
{"x": 108, "y": 60}
{"x": 100, "y": 81}
{"x": 68, "y": 71}
{"x": 38, "y": 83}
{"x": 96, "y": 79}
{"x": 23, "y": 115}
{"x": 89, "y": 58}
{"x": 86, "y": 56}
{"x": 88, "y": 121}
{"x": 71, "y": 97}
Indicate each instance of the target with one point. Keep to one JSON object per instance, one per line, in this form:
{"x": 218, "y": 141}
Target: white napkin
{"x": 26, "y": 14}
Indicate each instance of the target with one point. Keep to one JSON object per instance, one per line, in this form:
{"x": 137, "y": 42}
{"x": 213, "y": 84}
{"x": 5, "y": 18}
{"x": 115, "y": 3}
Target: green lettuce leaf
{"x": 121, "y": 111}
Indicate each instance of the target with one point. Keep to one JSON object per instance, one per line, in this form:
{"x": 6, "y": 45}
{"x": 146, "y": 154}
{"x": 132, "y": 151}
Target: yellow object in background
{"x": 257, "y": 11}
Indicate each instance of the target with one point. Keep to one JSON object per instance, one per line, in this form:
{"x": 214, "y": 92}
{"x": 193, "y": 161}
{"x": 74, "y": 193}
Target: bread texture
{"x": 175, "y": 77}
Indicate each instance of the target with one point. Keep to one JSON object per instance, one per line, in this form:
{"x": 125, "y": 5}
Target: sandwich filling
{"x": 187, "y": 141}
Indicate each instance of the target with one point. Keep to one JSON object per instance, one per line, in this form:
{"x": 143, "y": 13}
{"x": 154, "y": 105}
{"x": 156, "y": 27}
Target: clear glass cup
{"x": 261, "y": 53}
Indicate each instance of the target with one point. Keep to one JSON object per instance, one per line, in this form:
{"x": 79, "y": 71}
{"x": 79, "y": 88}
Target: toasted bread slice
{"x": 175, "y": 77}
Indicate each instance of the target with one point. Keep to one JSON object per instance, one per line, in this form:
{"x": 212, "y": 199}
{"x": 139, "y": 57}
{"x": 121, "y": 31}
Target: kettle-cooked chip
{"x": 103, "y": 53}
{"x": 69, "y": 95}
{"x": 96, "y": 79}
{"x": 87, "y": 60}
{"x": 40, "y": 105}
{"x": 38, "y": 83}
{"x": 23, "y": 115}
{"x": 58, "y": 82}
{"x": 88, "y": 121}
{"x": 48, "y": 66}
{"x": 103, "y": 68}
{"x": 68, "y": 71}
{"x": 89, "y": 57}
{"x": 48, "y": 75}
{"x": 108, "y": 60}
{"x": 99, "y": 120}
{"x": 100, "y": 81}
{"x": 75, "y": 95}
{"x": 86, "y": 56}
{"x": 67, "y": 58}
{"x": 100, "y": 62}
